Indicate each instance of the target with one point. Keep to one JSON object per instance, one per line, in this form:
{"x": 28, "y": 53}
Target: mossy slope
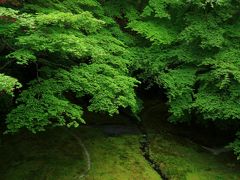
{"x": 179, "y": 158}
{"x": 56, "y": 155}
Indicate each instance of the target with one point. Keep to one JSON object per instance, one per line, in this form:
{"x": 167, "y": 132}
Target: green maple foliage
{"x": 75, "y": 53}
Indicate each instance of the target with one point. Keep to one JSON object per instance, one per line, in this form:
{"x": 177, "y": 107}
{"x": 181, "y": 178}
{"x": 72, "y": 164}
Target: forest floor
{"x": 178, "y": 152}
{"x": 56, "y": 155}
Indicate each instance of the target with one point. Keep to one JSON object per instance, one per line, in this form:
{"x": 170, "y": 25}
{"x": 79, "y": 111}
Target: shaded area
{"x": 55, "y": 155}
{"x": 49, "y": 155}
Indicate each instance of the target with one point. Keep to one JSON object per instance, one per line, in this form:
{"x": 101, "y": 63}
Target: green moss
{"x": 116, "y": 158}
{"x": 178, "y": 157}
{"x": 51, "y": 155}
{"x": 55, "y": 155}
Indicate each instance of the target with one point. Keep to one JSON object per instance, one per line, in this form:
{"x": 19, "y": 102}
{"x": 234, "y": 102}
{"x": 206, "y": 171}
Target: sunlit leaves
{"x": 153, "y": 31}
{"x": 179, "y": 84}
{"x": 23, "y": 56}
{"x": 8, "y": 84}
{"x": 67, "y": 34}
{"x": 45, "y": 102}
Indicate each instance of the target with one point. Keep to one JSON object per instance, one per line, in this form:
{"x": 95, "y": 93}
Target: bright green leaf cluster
{"x": 8, "y": 84}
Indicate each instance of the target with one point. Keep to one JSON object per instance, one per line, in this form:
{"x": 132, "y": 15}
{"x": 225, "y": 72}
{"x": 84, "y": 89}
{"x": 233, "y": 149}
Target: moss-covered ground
{"x": 180, "y": 158}
{"x": 49, "y": 155}
{"x": 56, "y": 155}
